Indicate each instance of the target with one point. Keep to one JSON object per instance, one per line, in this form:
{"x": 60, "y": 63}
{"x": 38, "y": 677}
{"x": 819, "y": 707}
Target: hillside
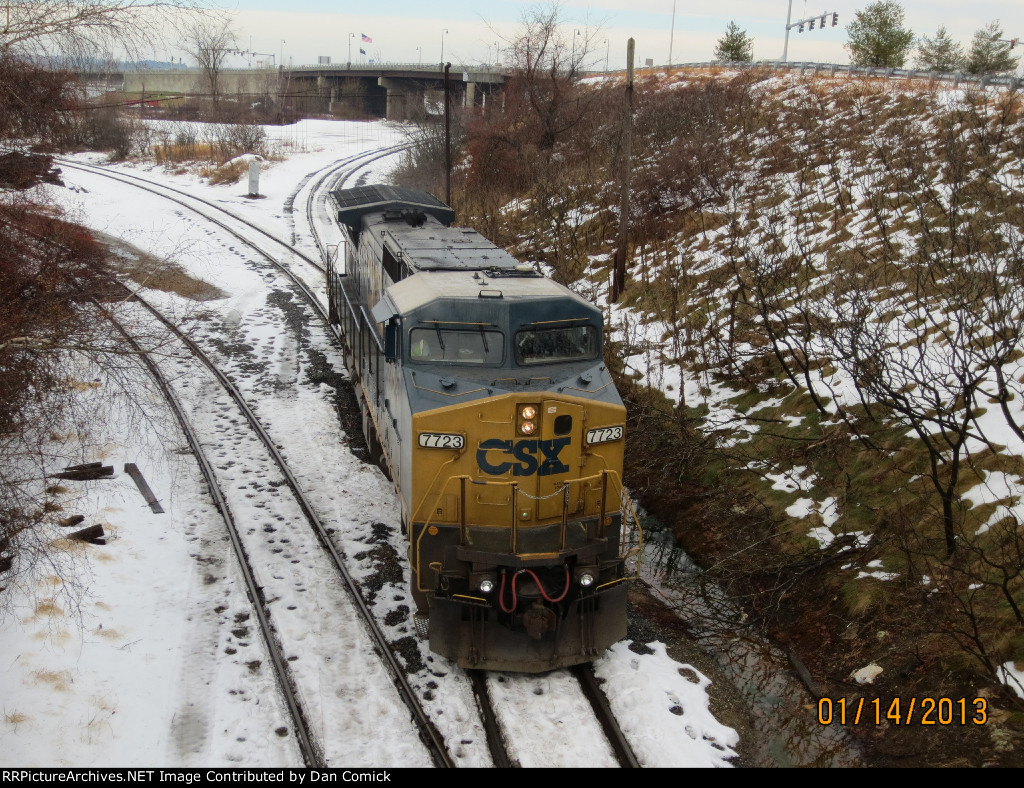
{"x": 820, "y": 344}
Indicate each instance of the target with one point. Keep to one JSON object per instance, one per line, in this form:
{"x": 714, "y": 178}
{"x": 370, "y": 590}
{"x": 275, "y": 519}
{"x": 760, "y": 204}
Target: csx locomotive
{"x": 485, "y": 397}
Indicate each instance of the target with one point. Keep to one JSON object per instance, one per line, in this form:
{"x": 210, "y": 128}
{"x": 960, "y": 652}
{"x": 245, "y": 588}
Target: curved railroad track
{"x": 429, "y": 734}
{"x": 309, "y": 747}
{"x": 384, "y": 650}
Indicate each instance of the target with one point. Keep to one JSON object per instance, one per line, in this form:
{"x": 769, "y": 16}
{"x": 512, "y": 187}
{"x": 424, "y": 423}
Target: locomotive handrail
{"x": 624, "y": 505}
{"x": 369, "y": 324}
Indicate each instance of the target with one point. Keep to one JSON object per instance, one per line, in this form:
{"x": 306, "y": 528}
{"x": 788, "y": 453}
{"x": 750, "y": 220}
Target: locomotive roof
{"x": 434, "y": 247}
{"x": 355, "y": 203}
{"x": 478, "y": 288}
{"x": 413, "y": 225}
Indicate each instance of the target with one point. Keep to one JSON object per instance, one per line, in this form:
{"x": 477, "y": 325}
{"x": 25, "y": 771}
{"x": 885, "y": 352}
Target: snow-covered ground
{"x": 148, "y": 660}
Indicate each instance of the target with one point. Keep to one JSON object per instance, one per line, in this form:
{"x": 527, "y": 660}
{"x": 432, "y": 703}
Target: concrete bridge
{"x": 393, "y": 91}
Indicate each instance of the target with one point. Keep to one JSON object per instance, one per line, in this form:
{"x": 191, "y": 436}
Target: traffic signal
{"x": 835, "y": 19}
{"x": 823, "y": 18}
{"x": 801, "y": 28}
{"x": 1013, "y": 43}
{"x": 810, "y": 25}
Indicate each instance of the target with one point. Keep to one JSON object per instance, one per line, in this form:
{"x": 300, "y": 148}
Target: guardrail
{"x": 957, "y": 78}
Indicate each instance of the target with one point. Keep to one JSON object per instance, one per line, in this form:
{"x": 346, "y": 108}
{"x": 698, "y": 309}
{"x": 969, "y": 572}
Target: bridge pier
{"x": 403, "y": 97}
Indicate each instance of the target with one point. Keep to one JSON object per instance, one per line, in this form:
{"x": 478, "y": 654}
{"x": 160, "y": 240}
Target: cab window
{"x": 548, "y": 345}
{"x": 456, "y": 346}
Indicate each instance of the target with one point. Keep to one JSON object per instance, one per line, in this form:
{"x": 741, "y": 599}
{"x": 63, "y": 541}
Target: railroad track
{"x": 427, "y": 732}
{"x": 309, "y": 747}
{"x": 311, "y": 744}
{"x": 331, "y": 178}
{"x": 506, "y": 720}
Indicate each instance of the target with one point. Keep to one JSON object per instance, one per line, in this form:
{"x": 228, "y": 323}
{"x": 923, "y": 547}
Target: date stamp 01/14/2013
{"x": 903, "y": 711}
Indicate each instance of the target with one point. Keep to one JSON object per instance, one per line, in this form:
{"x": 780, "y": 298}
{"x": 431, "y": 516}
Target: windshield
{"x": 456, "y": 346}
{"x": 547, "y": 345}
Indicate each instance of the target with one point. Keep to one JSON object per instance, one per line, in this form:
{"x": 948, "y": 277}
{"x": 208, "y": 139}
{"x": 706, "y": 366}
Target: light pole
{"x": 419, "y": 55}
{"x": 672, "y": 34}
{"x": 607, "y": 54}
{"x": 443, "y": 34}
{"x": 785, "y": 47}
{"x": 282, "y": 53}
{"x": 350, "y": 37}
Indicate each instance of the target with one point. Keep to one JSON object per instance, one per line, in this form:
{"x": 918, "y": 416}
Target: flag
{"x": 362, "y": 51}
{"x": 366, "y": 38}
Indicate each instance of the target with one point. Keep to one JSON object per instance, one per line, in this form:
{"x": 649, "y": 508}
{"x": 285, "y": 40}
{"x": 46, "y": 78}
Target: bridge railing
{"x": 432, "y": 68}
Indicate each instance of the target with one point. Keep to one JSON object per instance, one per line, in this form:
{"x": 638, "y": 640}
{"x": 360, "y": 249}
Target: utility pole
{"x": 619, "y": 273}
{"x": 447, "y": 137}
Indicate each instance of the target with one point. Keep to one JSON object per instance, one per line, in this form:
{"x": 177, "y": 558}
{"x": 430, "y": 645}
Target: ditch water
{"x": 783, "y": 714}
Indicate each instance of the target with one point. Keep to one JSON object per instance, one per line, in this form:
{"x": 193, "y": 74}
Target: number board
{"x": 441, "y": 440}
{"x": 604, "y": 434}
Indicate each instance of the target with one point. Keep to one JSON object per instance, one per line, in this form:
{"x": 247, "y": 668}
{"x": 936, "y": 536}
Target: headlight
{"x": 528, "y": 412}
{"x": 486, "y": 585}
{"x": 586, "y": 579}
{"x": 528, "y": 427}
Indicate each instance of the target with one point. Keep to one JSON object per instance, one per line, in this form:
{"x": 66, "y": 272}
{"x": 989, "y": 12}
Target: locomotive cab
{"x": 485, "y": 387}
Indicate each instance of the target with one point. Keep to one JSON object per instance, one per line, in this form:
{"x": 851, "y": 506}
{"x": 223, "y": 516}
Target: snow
{"x": 683, "y": 722}
{"x": 146, "y": 655}
{"x": 997, "y": 488}
{"x": 867, "y": 674}
{"x": 1012, "y": 677}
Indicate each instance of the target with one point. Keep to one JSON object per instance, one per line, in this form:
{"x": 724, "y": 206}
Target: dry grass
{"x": 48, "y": 607}
{"x": 231, "y": 172}
{"x": 174, "y": 153}
{"x": 58, "y": 680}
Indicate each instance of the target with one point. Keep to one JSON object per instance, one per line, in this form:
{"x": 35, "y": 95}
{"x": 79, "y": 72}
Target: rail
{"x": 625, "y": 507}
{"x": 352, "y": 325}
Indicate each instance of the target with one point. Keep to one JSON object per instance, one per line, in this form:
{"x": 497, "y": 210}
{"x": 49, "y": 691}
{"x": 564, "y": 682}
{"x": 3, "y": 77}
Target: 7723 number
{"x": 441, "y": 440}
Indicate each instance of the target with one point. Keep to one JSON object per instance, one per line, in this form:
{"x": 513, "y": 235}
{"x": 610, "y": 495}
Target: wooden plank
{"x": 86, "y": 474}
{"x": 84, "y": 466}
{"x": 133, "y": 470}
{"x": 89, "y": 534}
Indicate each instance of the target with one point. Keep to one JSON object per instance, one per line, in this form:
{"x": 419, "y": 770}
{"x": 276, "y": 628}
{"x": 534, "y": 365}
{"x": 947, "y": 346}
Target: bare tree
{"x": 209, "y": 39}
{"x": 81, "y": 30}
{"x": 548, "y": 62}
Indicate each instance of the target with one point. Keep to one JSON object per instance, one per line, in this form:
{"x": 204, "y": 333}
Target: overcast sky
{"x": 412, "y": 31}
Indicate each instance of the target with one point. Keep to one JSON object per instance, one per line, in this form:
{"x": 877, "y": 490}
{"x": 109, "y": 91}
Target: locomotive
{"x": 485, "y": 399}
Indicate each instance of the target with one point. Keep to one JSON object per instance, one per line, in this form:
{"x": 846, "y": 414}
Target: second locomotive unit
{"x": 484, "y": 395}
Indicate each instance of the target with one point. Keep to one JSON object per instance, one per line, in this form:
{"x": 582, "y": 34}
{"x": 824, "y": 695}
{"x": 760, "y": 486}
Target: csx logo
{"x": 524, "y": 458}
